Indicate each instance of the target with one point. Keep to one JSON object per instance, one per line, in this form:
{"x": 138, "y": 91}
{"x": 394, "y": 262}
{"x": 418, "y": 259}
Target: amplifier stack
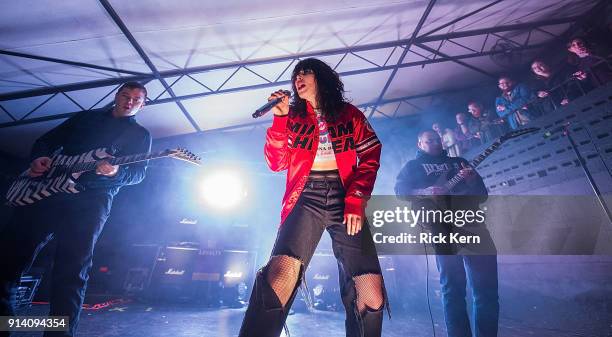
{"x": 186, "y": 273}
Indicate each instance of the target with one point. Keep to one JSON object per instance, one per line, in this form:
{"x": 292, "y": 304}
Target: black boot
{"x": 372, "y": 323}
{"x": 265, "y": 316}
{"x": 368, "y": 324}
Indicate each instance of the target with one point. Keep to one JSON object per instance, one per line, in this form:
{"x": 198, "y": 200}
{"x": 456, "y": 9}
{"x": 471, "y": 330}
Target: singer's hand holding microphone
{"x": 278, "y": 102}
{"x": 282, "y": 108}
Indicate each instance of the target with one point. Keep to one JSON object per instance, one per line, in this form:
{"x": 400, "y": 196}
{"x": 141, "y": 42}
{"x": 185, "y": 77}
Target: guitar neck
{"x": 487, "y": 152}
{"x": 124, "y": 160}
{"x": 454, "y": 181}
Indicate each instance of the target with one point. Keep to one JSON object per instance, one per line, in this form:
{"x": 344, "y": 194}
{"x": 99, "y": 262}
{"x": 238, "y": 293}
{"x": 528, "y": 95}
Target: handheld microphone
{"x": 268, "y": 106}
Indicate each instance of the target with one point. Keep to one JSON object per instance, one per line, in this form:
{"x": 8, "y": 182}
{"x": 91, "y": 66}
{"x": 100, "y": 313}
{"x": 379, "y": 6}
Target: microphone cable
{"x": 433, "y": 326}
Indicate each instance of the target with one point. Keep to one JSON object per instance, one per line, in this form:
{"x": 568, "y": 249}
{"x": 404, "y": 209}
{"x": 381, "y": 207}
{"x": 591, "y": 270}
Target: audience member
{"x": 449, "y": 142}
{"x": 438, "y": 129}
{"x": 553, "y": 87}
{"x": 489, "y": 126}
{"x": 513, "y": 102}
{"x": 594, "y": 68}
{"x": 466, "y": 132}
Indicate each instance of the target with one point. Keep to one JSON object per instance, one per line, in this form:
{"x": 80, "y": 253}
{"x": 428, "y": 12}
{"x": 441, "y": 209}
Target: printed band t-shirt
{"x": 325, "y": 151}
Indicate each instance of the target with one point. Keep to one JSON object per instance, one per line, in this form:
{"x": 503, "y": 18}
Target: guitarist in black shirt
{"x": 74, "y": 220}
{"x": 422, "y": 181}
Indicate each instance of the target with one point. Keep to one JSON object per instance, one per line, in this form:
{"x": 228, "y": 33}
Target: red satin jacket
{"x": 291, "y": 144}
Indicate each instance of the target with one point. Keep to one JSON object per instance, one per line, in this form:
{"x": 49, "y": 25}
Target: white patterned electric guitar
{"x": 65, "y": 170}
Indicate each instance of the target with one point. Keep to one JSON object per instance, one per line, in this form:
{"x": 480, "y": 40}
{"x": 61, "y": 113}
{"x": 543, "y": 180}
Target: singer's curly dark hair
{"x": 330, "y": 90}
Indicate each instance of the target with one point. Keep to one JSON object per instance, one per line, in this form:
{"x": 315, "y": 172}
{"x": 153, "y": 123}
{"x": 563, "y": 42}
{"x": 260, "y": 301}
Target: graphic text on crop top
{"x": 325, "y": 156}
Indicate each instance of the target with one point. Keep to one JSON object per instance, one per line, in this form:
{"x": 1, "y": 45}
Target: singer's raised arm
{"x": 276, "y": 150}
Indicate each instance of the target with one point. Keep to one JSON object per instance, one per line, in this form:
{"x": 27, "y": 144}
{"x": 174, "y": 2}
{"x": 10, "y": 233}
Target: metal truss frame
{"x": 176, "y": 75}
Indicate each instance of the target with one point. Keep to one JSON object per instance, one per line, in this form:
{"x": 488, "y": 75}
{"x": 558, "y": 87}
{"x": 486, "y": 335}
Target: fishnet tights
{"x": 369, "y": 292}
{"x": 283, "y": 273}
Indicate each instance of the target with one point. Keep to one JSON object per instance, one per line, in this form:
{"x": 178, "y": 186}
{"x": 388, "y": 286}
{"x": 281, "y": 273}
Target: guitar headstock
{"x": 184, "y": 154}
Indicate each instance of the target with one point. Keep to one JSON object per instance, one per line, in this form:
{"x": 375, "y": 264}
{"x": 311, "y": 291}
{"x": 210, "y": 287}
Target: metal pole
{"x": 582, "y": 161}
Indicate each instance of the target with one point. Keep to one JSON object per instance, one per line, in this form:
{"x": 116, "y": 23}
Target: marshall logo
{"x": 321, "y": 277}
{"x": 341, "y": 134}
{"x": 232, "y": 274}
{"x": 173, "y": 271}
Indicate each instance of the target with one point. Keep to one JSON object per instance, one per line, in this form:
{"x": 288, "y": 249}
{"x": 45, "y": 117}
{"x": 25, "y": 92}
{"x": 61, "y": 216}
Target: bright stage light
{"x": 223, "y": 190}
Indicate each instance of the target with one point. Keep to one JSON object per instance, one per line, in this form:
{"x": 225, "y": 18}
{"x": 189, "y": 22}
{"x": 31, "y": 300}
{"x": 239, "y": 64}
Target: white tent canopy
{"x": 220, "y": 60}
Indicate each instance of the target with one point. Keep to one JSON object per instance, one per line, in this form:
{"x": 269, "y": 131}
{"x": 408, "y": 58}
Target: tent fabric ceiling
{"x": 186, "y": 34}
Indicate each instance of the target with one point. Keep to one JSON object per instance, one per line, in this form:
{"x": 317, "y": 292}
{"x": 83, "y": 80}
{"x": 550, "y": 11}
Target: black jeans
{"x": 76, "y": 222}
{"x": 319, "y": 208}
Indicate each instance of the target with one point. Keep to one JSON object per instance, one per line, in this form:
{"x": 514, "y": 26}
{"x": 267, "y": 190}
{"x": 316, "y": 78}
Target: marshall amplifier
{"x": 228, "y": 267}
{"x": 238, "y": 267}
{"x": 220, "y": 277}
{"x": 172, "y": 273}
{"x": 323, "y": 280}
{"x": 188, "y": 273}
{"x": 208, "y": 265}
{"x": 176, "y": 264}
{"x": 140, "y": 263}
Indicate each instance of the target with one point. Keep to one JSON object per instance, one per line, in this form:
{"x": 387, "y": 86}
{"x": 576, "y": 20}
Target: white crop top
{"x": 325, "y": 151}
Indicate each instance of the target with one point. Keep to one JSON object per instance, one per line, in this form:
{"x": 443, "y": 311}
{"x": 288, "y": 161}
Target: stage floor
{"x": 134, "y": 319}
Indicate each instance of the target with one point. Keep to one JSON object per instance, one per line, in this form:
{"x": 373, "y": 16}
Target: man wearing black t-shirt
{"x": 75, "y": 221}
{"x": 419, "y": 181}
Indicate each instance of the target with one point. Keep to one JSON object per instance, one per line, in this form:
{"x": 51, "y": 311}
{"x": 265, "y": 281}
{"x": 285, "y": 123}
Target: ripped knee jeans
{"x": 321, "y": 208}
